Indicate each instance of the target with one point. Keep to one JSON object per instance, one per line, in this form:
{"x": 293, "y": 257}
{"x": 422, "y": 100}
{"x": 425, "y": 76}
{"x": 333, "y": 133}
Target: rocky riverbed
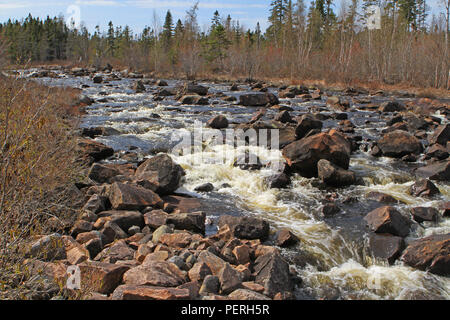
{"x": 356, "y": 206}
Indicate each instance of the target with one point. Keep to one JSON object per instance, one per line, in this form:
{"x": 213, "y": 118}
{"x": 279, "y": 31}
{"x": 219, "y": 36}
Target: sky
{"x": 139, "y": 13}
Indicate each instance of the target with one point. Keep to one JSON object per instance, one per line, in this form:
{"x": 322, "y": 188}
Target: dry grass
{"x": 37, "y": 172}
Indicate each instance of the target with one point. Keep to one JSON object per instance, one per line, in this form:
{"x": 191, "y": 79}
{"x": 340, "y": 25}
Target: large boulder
{"x": 124, "y": 219}
{"x": 439, "y": 171}
{"x": 392, "y": 106}
{"x": 130, "y": 292}
{"x": 160, "y": 174}
{"x": 424, "y": 188}
{"x": 386, "y": 246}
{"x": 441, "y": 135}
{"x": 431, "y": 254}
{"x": 128, "y": 197}
{"x": 155, "y": 273}
{"x": 302, "y": 156}
{"x": 194, "y": 221}
{"x": 104, "y": 173}
{"x": 272, "y": 272}
{"x": 190, "y": 88}
{"x": 388, "y": 220}
{"x": 305, "y": 124}
{"x": 249, "y": 228}
{"x": 194, "y": 99}
{"x": 258, "y": 99}
{"x": 101, "y": 277}
{"x": 94, "y": 151}
{"x": 399, "y": 143}
{"x": 334, "y": 176}
{"x": 421, "y": 214}
{"x": 218, "y": 122}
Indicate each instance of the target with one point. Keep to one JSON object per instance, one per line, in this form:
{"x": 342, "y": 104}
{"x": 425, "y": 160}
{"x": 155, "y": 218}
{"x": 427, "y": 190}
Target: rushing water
{"x": 332, "y": 258}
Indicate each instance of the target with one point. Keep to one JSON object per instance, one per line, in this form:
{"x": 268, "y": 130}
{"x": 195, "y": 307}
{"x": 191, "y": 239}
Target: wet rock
{"x": 218, "y": 122}
{"x": 388, "y": 220}
{"x": 199, "y": 272}
{"x": 392, "y": 106}
{"x": 194, "y": 100}
{"x": 305, "y": 124}
{"x": 234, "y": 87}
{"x": 330, "y": 209}
{"x": 441, "y": 135}
{"x": 206, "y": 187}
{"x": 211, "y": 285}
{"x": 95, "y": 151}
{"x": 439, "y": 171}
{"x": 272, "y": 272}
{"x": 48, "y": 248}
{"x": 124, "y": 219}
{"x": 431, "y": 254}
{"x": 162, "y": 83}
{"x": 381, "y": 197}
{"x": 424, "y": 188}
{"x": 446, "y": 209}
{"x": 138, "y": 87}
{"x": 386, "y": 246}
{"x": 302, "y": 156}
{"x": 437, "y": 151}
{"x": 399, "y": 143}
{"x": 258, "y": 99}
{"x": 194, "y": 221}
{"x": 230, "y": 279}
{"x": 97, "y": 79}
{"x": 161, "y": 173}
{"x": 334, "y": 176}
{"x": 101, "y": 277}
{"x": 279, "y": 180}
{"x": 248, "y": 161}
{"x": 246, "y": 227}
{"x": 421, "y": 214}
{"x": 155, "y": 273}
{"x": 283, "y": 117}
{"x": 285, "y": 238}
{"x": 190, "y": 88}
{"x": 128, "y": 197}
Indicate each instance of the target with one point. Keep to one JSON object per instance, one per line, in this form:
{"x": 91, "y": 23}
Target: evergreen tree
{"x": 167, "y": 32}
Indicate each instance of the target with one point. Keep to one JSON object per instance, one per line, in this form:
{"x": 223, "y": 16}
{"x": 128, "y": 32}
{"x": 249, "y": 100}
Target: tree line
{"x": 318, "y": 42}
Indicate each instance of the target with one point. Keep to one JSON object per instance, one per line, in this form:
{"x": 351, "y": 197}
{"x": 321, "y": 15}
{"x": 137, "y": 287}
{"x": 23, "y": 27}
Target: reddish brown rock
{"x": 199, "y": 272}
{"x": 246, "y": 227}
{"x": 439, "y": 171}
{"x": 94, "y": 151}
{"x": 101, "y": 277}
{"x": 399, "y": 143}
{"x": 441, "y": 135}
{"x": 386, "y": 246}
{"x": 421, "y": 214}
{"x": 388, "y": 220}
{"x": 183, "y": 204}
{"x": 286, "y": 238}
{"x": 381, "y": 197}
{"x": 302, "y": 156}
{"x": 242, "y": 254}
{"x": 127, "y": 197}
{"x": 430, "y": 253}
{"x": 245, "y": 294}
{"x": 178, "y": 240}
{"x": 424, "y": 188}
{"x": 155, "y": 293}
{"x": 155, "y": 273}
{"x": 214, "y": 262}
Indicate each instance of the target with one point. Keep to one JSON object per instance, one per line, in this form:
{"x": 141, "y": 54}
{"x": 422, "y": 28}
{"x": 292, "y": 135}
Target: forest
{"x": 302, "y": 42}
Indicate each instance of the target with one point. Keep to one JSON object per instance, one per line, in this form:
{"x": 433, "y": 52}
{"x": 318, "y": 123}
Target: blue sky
{"x": 139, "y": 13}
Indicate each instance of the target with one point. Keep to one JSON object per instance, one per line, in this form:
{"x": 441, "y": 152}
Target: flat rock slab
{"x": 155, "y": 273}
{"x": 129, "y": 197}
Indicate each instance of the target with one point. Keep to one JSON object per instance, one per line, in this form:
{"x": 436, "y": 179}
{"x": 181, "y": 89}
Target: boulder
{"x": 194, "y": 100}
{"x": 211, "y": 285}
{"x": 285, "y": 238}
{"x": 246, "y": 227}
{"x": 119, "y": 251}
{"x": 386, "y": 246}
{"x": 421, "y": 214}
{"x": 258, "y": 99}
{"x": 111, "y": 231}
{"x": 248, "y": 161}
{"x": 429, "y": 254}
{"x": 283, "y": 117}
{"x": 81, "y": 226}
{"x": 399, "y": 143}
{"x": 160, "y": 174}
{"x": 182, "y": 204}
{"x": 155, "y": 273}
{"x": 214, "y": 263}
{"x": 206, "y": 187}
{"x": 95, "y": 204}
{"x": 441, "y": 135}
{"x": 381, "y": 197}
{"x": 190, "y": 88}
{"x": 194, "y": 221}
{"x": 199, "y": 272}
{"x": 230, "y": 279}
{"x": 97, "y": 79}
{"x": 124, "y": 219}
{"x": 218, "y": 122}
{"x": 392, "y": 106}
{"x": 94, "y": 150}
{"x": 154, "y": 293}
{"x": 279, "y": 180}
{"x": 334, "y": 176}
{"x": 162, "y": 83}
{"x": 388, "y": 220}
{"x": 437, "y": 151}
{"x": 155, "y": 218}
{"x": 177, "y": 240}
{"x": 138, "y": 86}
{"x": 424, "y": 188}
{"x": 101, "y": 277}
{"x": 48, "y": 248}
{"x": 128, "y": 197}
{"x": 272, "y": 272}
{"x": 302, "y": 156}
{"x": 439, "y": 171}
{"x": 305, "y": 124}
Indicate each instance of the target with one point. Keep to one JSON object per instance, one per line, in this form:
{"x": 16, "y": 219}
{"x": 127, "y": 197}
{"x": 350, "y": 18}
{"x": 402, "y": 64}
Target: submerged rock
{"x": 439, "y": 171}
{"x": 386, "y": 246}
{"x": 334, "y": 176}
